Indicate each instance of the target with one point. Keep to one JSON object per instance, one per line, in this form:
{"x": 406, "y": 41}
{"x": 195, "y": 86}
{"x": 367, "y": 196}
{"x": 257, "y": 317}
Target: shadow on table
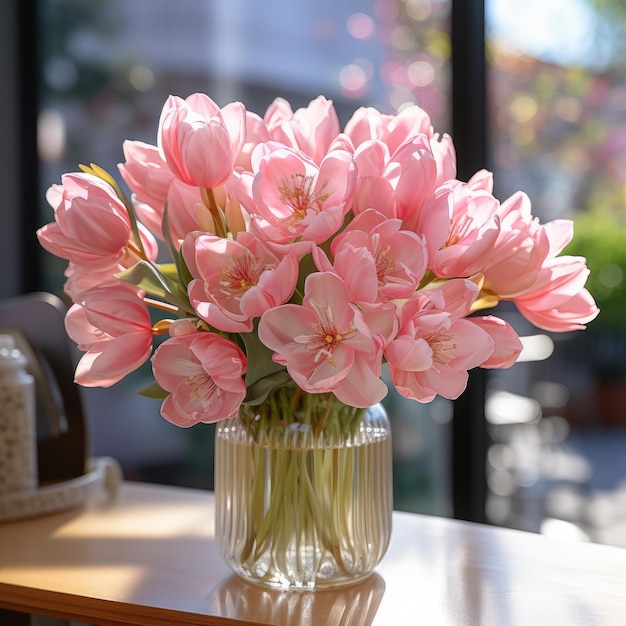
{"x": 353, "y": 605}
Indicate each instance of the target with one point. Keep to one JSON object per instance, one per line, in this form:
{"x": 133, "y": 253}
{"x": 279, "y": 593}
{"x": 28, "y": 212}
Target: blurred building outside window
{"x": 557, "y": 129}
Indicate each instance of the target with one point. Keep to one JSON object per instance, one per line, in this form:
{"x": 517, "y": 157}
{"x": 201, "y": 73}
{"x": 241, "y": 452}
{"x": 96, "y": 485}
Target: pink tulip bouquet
{"x": 300, "y": 258}
{"x": 269, "y": 267}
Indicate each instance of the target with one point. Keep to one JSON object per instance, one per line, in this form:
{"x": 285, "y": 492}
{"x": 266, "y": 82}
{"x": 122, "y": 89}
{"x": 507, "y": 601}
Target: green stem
{"x": 219, "y": 219}
{"x": 303, "y": 459}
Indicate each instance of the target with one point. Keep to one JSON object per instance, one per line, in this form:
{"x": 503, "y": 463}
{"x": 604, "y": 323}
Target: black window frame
{"x": 470, "y": 439}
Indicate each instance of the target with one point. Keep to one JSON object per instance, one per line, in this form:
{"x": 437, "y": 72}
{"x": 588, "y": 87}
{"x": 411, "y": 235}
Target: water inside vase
{"x": 304, "y": 515}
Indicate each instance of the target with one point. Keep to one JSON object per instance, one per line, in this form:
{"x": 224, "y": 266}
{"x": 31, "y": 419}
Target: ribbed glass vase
{"x": 303, "y": 489}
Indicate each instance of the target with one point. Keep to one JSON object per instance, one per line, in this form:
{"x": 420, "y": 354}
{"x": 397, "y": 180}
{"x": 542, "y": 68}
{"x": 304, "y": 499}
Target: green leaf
{"x": 260, "y": 363}
{"x": 261, "y": 389}
{"x": 183, "y": 271}
{"x": 263, "y": 375}
{"x": 307, "y": 266}
{"x": 154, "y": 391}
{"x": 167, "y": 233}
{"x": 178, "y": 291}
{"x": 157, "y": 283}
{"x": 146, "y": 276}
{"x": 178, "y": 270}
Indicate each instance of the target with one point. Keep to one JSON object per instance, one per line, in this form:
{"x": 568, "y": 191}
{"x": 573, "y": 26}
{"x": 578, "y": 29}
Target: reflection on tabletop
{"x": 352, "y": 605}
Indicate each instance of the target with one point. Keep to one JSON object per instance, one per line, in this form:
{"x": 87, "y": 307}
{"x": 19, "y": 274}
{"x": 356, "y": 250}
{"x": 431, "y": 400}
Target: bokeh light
{"x": 361, "y": 26}
{"x": 353, "y": 81}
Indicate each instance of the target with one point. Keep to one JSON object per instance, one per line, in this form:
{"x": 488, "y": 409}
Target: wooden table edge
{"x": 101, "y": 612}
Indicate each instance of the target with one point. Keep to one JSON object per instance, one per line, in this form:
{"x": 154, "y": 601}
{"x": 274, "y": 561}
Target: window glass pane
{"x": 107, "y": 69}
{"x": 557, "y": 111}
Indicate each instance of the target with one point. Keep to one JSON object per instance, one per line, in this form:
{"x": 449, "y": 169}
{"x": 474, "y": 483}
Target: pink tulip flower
{"x": 558, "y": 300}
{"x": 236, "y": 281}
{"x": 311, "y": 130}
{"x": 507, "y": 344}
{"x": 368, "y": 124}
{"x": 80, "y": 280}
{"x": 199, "y": 141}
{"x": 188, "y": 212}
{"x": 548, "y": 290}
{"x": 327, "y": 344}
{"x": 149, "y": 178}
{"x": 435, "y": 345}
{"x": 294, "y": 198}
{"x": 114, "y": 328}
{"x": 472, "y": 231}
{"x": 482, "y": 179}
{"x": 559, "y": 233}
{"x": 520, "y": 249}
{"x": 203, "y": 374}
{"x": 356, "y": 266}
{"x": 395, "y": 184}
{"x": 391, "y": 262}
{"x": 91, "y": 226}
{"x": 255, "y": 133}
{"x": 445, "y": 157}
{"x": 154, "y": 185}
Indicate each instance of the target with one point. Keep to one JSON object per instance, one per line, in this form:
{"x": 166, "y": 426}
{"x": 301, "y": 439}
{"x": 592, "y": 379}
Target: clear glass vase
{"x": 304, "y": 501}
